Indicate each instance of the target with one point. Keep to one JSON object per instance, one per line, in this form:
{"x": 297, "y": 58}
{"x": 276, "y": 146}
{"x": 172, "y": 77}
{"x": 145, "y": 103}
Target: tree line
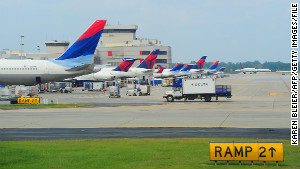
{"x": 231, "y": 67}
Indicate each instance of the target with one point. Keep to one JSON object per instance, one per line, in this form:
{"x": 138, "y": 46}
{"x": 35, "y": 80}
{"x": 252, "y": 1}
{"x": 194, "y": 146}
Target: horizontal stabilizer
{"x": 87, "y": 67}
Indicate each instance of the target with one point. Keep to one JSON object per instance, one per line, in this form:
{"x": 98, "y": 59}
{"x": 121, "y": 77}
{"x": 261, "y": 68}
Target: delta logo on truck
{"x": 199, "y": 84}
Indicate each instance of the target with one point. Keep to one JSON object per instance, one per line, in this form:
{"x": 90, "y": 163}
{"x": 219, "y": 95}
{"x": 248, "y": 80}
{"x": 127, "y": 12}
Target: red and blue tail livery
{"x": 82, "y": 51}
{"x": 214, "y": 66}
{"x": 222, "y": 69}
{"x": 125, "y": 65}
{"x": 199, "y": 65}
{"x": 149, "y": 62}
{"x": 177, "y": 67}
{"x": 187, "y": 68}
{"x": 160, "y": 70}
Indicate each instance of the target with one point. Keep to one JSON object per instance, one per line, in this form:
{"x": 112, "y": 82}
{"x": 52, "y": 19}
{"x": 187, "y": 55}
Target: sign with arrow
{"x": 270, "y": 151}
{"x": 246, "y": 151}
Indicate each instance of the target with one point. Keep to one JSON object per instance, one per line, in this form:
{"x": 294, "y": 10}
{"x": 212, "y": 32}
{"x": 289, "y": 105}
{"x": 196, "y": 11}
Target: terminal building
{"x": 54, "y": 50}
{"x": 117, "y": 42}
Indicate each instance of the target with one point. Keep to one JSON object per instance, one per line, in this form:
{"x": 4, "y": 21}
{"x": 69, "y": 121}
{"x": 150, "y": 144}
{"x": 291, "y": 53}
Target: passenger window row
{"x": 23, "y": 68}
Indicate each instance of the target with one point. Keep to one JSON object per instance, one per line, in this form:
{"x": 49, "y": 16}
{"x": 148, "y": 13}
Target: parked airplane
{"x": 189, "y": 69}
{"x": 185, "y": 71}
{"x": 77, "y": 60}
{"x": 251, "y": 70}
{"x": 221, "y": 70}
{"x": 108, "y": 74}
{"x": 197, "y": 69}
{"x": 169, "y": 72}
{"x": 145, "y": 67}
{"x": 212, "y": 69}
{"x": 160, "y": 70}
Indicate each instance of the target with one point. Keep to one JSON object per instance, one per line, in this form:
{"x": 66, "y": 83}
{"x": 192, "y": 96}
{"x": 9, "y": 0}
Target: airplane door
{"x": 46, "y": 69}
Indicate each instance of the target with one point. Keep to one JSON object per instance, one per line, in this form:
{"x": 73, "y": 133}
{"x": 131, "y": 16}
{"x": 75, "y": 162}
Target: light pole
{"x": 21, "y": 46}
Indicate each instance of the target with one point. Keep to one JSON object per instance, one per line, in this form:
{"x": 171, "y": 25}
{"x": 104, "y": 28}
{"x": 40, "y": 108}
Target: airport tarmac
{"x": 259, "y": 100}
{"x": 141, "y": 132}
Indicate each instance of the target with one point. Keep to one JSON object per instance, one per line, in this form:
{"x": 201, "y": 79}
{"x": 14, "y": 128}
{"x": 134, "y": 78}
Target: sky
{"x": 224, "y": 30}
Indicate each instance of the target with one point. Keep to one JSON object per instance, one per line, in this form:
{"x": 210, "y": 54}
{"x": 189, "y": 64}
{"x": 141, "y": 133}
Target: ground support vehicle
{"x": 190, "y": 89}
{"x": 144, "y": 90}
{"x": 93, "y": 86}
{"x": 114, "y": 92}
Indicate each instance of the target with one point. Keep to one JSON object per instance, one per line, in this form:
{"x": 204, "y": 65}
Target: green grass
{"x": 32, "y": 106}
{"x": 126, "y": 153}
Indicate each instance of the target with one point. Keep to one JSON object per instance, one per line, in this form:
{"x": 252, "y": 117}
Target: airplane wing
{"x": 97, "y": 68}
{"x": 147, "y": 71}
{"x": 82, "y": 67}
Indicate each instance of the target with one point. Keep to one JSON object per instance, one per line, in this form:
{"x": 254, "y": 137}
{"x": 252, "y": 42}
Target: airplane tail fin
{"x": 82, "y": 51}
{"x": 214, "y": 66}
{"x": 149, "y": 61}
{"x": 222, "y": 69}
{"x": 200, "y": 63}
{"x": 187, "y": 67}
{"x": 177, "y": 67}
{"x": 241, "y": 65}
{"x": 160, "y": 70}
{"x": 125, "y": 65}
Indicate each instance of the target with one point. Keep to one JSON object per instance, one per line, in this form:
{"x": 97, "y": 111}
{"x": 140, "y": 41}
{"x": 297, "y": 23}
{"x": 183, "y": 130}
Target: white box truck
{"x": 190, "y": 89}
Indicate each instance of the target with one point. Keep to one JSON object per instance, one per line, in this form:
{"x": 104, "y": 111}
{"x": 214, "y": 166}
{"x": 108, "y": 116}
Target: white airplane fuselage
{"x": 136, "y": 72}
{"x": 166, "y": 73}
{"x": 108, "y": 74}
{"x": 31, "y": 72}
{"x": 105, "y": 74}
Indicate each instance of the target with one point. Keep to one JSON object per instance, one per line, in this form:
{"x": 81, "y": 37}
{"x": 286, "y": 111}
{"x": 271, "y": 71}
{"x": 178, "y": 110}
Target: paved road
{"x": 155, "y": 132}
{"x": 259, "y": 101}
{"x": 240, "y": 114}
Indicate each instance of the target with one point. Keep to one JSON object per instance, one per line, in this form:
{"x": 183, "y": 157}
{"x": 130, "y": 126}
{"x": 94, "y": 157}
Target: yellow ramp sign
{"x": 28, "y": 100}
{"x": 246, "y": 151}
{"x": 270, "y": 151}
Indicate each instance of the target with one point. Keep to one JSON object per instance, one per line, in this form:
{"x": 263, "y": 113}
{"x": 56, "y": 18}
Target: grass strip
{"x": 126, "y": 154}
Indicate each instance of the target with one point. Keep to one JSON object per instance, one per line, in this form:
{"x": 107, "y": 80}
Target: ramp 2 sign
{"x": 28, "y": 100}
{"x": 246, "y": 151}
